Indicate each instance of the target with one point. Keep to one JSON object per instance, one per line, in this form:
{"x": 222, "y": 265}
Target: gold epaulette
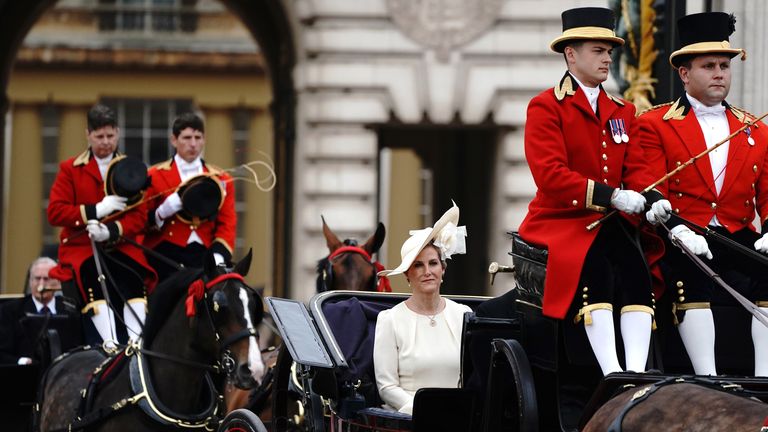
{"x": 615, "y": 99}
{"x": 164, "y": 165}
{"x": 213, "y": 169}
{"x": 82, "y": 158}
{"x": 652, "y": 108}
{"x": 675, "y": 112}
{"x": 564, "y": 88}
{"x": 742, "y": 114}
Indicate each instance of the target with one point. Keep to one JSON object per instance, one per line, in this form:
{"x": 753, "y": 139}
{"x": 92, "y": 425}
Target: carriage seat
{"x": 530, "y": 267}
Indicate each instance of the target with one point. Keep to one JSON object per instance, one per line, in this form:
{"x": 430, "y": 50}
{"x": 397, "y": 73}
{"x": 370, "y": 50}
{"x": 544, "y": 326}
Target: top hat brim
{"x": 703, "y": 48}
{"x": 132, "y": 182}
{"x": 584, "y": 34}
{"x": 450, "y": 216}
{"x": 198, "y": 200}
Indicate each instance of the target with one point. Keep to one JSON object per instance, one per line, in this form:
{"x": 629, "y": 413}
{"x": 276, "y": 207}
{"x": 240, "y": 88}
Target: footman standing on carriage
{"x": 582, "y": 148}
{"x": 92, "y": 192}
{"x": 194, "y": 205}
{"x": 721, "y": 191}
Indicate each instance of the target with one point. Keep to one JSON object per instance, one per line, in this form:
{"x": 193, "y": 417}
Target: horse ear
{"x": 331, "y": 240}
{"x": 377, "y": 239}
{"x": 244, "y": 264}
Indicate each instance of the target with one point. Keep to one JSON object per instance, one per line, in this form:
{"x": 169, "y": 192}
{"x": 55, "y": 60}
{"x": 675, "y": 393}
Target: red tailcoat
{"x": 576, "y": 165}
{"x": 671, "y": 135}
{"x": 76, "y": 191}
{"x": 222, "y": 230}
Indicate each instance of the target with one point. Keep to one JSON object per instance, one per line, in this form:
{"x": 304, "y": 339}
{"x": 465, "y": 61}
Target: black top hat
{"x": 201, "y": 198}
{"x": 587, "y": 23}
{"x": 126, "y": 177}
{"x": 705, "y": 33}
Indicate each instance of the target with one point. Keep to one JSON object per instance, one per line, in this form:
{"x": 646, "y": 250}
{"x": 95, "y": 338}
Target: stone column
{"x": 258, "y": 233}
{"x": 23, "y": 234}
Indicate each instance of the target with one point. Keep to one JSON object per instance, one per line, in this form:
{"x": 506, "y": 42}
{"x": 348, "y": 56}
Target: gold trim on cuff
{"x": 590, "y": 197}
{"x": 82, "y": 214}
{"x": 586, "y": 312}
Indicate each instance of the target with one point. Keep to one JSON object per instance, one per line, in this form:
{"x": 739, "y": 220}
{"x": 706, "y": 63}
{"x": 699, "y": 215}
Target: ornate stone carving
{"x": 444, "y": 24}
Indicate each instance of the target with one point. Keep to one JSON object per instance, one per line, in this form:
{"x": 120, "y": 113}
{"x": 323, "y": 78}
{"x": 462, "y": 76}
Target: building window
{"x": 148, "y": 16}
{"x": 50, "y": 125}
{"x": 145, "y": 126}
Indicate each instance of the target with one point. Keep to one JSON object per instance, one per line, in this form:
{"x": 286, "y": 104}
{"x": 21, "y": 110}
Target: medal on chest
{"x": 750, "y": 140}
{"x": 618, "y": 130}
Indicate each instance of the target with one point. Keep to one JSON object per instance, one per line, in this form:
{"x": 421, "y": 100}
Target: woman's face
{"x": 426, "y": 273}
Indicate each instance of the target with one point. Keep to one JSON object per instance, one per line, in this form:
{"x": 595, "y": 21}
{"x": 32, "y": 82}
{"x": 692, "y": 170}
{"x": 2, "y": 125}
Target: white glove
{"x": 219, "y": 259}
{"x": 696, "y": 243}
{"x": 109, "y": 205}
{"x": 24, "y": 361}
{"x": 627, "y": 201}
{"x": 761, "y": 245}
{"x": 661, "y": 210}
{"x": 169, "y": 207}
{"x": 97, "y": 231}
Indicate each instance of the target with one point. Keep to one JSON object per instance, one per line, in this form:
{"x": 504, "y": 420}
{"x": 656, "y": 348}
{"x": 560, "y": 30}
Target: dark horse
{"x": 680, "y": 406}
{"x": 349, "y": 266}
{"x": 200, "y": 327}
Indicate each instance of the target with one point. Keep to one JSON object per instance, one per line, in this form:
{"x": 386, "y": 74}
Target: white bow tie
{"x": 709, "y": 110}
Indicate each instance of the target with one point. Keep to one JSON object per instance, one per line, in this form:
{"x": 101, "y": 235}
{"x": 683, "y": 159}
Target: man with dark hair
{"x": 79, "y": 202}
{"x": 175, "y": 230}
{"x": 581, "y": 146}
{"x": 721, "y": 190}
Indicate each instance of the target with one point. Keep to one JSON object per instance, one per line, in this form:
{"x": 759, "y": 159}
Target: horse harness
{"x": 380, "y": 284}
{"x": 643, "y": 394}
{"x": 143, "y": 392}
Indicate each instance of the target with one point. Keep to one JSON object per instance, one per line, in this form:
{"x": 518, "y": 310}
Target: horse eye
{"x": 219, "y": 301}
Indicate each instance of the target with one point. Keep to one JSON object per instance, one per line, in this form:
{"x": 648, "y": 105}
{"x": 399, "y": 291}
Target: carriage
{"x": 520, "y": 372}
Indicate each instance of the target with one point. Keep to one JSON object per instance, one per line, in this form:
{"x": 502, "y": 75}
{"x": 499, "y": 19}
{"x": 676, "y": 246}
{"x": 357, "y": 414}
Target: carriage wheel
{"x": 242, "y": 420}
{"x": 287, "y": 409}
{"x": 511, "y": 397}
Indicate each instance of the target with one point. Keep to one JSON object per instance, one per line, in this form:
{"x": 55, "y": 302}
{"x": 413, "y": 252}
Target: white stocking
{"x": 636, "y": 333}
{"x": 760, "y": 340}
{"x": 698, "y": 333}
{"x": 104, "y": 321}
{"x": 602, "y": 338}
{"x": 139, "y": 307}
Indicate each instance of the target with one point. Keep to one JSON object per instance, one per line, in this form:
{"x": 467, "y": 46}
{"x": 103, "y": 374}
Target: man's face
{"x": 708, "y": 79}
{"x": 103, "y": 141}
{"x": 590, "y": 61}
{"x": 38, "y": 278}
{"x": 189, "y": 144}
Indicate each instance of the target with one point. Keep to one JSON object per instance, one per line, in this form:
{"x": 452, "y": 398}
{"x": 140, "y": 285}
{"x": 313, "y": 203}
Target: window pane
{"x": 133, "y": 20}
{"x": 188, "y": 22}
{"x": 134, "y": 114}
{"x": 158, "y": 150}
{"x": 163, "y": 21}
{"x": 133, "y": 146}
{"x": 158, "y": 115}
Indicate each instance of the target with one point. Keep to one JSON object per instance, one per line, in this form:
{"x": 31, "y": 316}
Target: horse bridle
{"x": 350, "y": 248}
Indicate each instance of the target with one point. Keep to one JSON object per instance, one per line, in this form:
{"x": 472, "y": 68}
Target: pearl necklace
{"x": 432, "y": 322}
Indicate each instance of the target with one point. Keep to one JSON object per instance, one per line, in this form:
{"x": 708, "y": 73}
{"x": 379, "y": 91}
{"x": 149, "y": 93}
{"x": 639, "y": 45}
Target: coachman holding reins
{"x": 97, "y": 193}
{"x": 585, "y": 157}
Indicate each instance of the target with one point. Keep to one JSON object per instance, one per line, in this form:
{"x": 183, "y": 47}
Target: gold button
{"x": 652, "y": 294}
{"x": 713, "y": 205}
{"x": 682, "y": 299}
{"x": 585, "y": 296}
{"x": 679, "y": 284}
{"x": 605, "y": 156}
{"x": 173, "y": 222}
{"x": 585, "y": 303}
{"x": 575, "y": 203}
{"x": 653, "y": 301}
{"x": 605, "y": 181}
{"x": 170, "y": 234}
{"x": 605, "y": 169}
{"x": 677, "y": 210}
{"x": 585, "y": 289}
{"x": 753, "y": 186}
{"x": 754, "y": 168}
{"x": 681, "y": 291}
{"x": 677, "y": 181}
{"x": 77, "y": 223}
{"x": 746, "y": 203}
{"x": 743, "y": 220}
{"x": 678, "y": 163}
{"x": 603, "y": 133}
{"x": 679, "y": 194}
{"x": 604, "y": 144}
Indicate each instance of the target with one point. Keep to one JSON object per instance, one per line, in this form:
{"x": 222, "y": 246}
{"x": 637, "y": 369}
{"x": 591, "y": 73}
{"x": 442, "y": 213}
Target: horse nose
{"x": 243, "y": 377}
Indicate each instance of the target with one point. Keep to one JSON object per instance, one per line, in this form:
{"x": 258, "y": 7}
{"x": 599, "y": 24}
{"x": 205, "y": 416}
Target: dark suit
{"x": 13, "y": 340}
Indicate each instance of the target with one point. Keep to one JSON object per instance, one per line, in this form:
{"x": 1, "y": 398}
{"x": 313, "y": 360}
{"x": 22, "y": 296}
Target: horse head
{"x": 349, "y": 266}
{"x": 235, "y": 310}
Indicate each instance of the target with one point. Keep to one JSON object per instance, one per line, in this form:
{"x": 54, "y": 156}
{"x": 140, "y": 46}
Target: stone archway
{"x": 270, "y": 25}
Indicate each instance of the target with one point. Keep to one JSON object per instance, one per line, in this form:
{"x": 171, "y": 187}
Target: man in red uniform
{"x": 78, "y": 202}
{"x": 721, "y": 190}
{"x": 582, "y": 148}
{"x": 182, "y": 239}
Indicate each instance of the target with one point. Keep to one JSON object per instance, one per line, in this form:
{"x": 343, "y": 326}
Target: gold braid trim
{"x": 761, "y": 303}
{"x": 687, "y": 306}
{"x": 641, "y": 308}
{"x": 586, "y": 312}
{"x": 93, "y": 306}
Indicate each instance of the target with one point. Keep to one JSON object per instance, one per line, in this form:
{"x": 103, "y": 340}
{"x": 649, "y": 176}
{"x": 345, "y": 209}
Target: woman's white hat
{"x": 448, "y": 237}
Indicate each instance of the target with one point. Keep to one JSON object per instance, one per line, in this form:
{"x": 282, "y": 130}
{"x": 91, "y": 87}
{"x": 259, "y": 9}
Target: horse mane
{"x": 165, "y": 297}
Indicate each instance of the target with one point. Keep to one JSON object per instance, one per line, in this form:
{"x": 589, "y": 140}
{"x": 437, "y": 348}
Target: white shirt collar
{"x": 700, "y": 109}
{"x": 591, "y": 93}
{"x": 188, "y": 169}
{"x": 103, "y": 164}
{"x": 51, "y": 305}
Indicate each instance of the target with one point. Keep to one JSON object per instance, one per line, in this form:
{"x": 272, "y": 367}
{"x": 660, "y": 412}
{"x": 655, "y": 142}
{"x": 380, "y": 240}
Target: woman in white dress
{"x": 418, "y": 341}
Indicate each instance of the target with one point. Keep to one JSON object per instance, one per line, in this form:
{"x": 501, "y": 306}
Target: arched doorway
{"x": 268, "y": 22}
